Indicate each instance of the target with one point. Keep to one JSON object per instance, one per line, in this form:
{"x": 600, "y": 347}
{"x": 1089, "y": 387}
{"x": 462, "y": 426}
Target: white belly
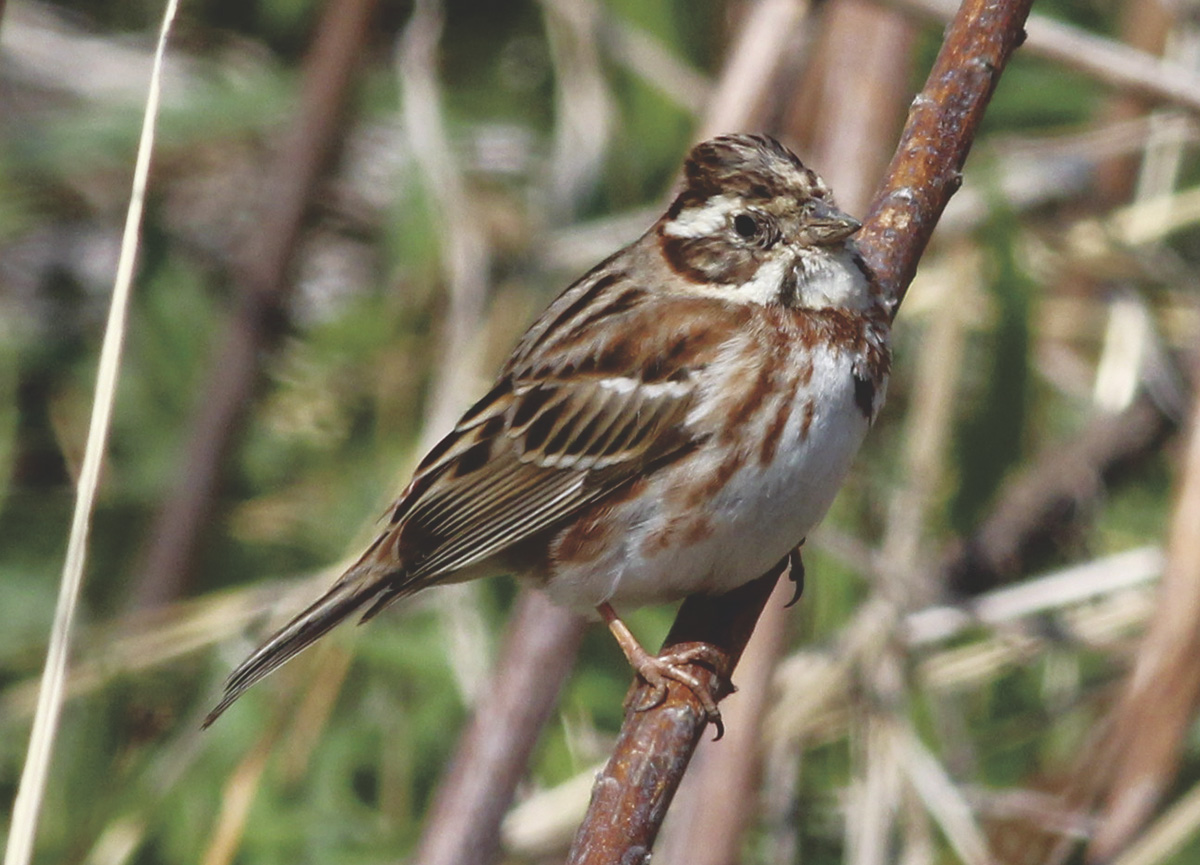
{"x": 668, "y": 551}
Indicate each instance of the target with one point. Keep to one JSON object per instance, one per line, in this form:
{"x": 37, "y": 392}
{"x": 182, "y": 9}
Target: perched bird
{"x": 674, "y": 423}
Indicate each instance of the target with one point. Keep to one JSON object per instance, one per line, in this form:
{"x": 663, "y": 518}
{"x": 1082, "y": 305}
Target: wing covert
{"x": 594, "y": 404}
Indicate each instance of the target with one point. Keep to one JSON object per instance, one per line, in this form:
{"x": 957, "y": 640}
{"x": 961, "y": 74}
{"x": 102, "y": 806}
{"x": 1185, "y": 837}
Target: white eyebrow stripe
{"x": 703, "y": 220}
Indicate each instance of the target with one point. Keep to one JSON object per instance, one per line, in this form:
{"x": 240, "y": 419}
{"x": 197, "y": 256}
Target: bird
{"x": 674, "y": 423}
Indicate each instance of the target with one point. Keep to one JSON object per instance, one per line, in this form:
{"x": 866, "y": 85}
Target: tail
{"x": 346, "y": 596}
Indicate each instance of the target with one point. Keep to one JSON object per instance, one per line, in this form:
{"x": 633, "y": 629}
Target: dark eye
{"x": 745, "y": 225}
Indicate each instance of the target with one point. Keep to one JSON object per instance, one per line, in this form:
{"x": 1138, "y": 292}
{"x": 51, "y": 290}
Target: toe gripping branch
{"x": 703, "y": 670}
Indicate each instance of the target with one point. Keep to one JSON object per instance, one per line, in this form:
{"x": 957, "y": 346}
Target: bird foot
{"x": 670, "y": 666}
{"x": 657, "y": 670}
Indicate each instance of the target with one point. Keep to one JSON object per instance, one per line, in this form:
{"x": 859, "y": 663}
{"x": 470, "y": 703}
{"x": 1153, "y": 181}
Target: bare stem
{"x": 464, "y": 822}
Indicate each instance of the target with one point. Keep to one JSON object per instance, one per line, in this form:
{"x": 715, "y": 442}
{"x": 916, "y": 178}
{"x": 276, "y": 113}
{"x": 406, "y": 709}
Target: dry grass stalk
{"x": 1160, "y": 697}
{"x": 32, "y": 787}
{"x": 1113, "y": 63}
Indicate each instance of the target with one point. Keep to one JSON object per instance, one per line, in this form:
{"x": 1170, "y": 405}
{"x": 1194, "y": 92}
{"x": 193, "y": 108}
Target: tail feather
{"x": 345, "y": 597}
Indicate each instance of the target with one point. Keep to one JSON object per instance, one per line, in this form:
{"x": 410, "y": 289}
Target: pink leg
{"x": 656, "y": 670}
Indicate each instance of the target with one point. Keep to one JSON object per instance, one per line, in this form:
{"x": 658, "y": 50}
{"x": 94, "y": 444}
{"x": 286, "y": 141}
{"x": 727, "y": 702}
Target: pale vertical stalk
{"x": 875, "y": 799}
{"x": 583, "y": 105}
{"x": 750, "y": 65}
{"x": 32, "y": 787}
{"x": 1166, "y": 836}
{"x": 466, "y": 264}
{"x": 942, "y": 798}
{"x": 1129, "y": 335}
{"x": 927, "y": 434}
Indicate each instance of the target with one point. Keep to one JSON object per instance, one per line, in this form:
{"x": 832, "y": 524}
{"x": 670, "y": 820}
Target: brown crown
{"x": 756, "y": 167}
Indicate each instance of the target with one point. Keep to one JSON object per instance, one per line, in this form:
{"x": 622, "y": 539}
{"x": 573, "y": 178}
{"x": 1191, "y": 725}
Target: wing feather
{"x": 596, "y": 395}
{"x": 521, "y": 491}
{"x": 586, "y": 412}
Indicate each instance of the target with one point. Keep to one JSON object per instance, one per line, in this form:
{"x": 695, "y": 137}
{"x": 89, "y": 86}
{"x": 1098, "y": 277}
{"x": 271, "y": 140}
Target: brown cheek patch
{"x": 708, "y": 260}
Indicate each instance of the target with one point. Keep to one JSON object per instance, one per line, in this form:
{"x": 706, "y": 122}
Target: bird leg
{"x": 655, "y": 670}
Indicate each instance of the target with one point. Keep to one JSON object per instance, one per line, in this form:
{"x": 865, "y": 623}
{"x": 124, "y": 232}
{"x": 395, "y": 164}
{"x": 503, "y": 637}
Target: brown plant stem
{"x": 463, "y": 827}
{"x": 263, "y": 289}
{"x": 719, "y": 797}
{"x": 633, "y": 792}
{"x": 1124, "y": 67}
{"x": 927, "y": 167}
{"x": 1158, "y": 705}
{"x": 1047, "y": 502}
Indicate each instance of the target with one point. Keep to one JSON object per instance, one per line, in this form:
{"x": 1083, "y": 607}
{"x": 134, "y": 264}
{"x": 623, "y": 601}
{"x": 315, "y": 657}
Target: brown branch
{"x": 927, "y": 167}
{"x": 463, "y": 826}
{"x": 633, "y": 792}
{"x": 1044, "y": 504}
{"x": 1116, "y": 64}
{"x": 1149, "y": 725}
{"x": 264, "y": 287}
{"x": 719, "y": 797}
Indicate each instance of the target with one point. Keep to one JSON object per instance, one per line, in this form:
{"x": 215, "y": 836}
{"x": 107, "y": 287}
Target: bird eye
{"x": 745, "y": 225}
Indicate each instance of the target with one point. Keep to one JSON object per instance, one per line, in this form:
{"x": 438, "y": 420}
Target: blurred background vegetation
{"x": 956, "y": 685}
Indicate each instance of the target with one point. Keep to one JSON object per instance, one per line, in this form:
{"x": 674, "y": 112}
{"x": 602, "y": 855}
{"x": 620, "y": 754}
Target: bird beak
{"x": 825, "y": 224}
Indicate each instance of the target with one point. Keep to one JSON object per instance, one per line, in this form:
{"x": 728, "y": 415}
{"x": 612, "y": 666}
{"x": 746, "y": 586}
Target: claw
{"x": 795, "y": 569}
{"x": 650, "y": 699}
